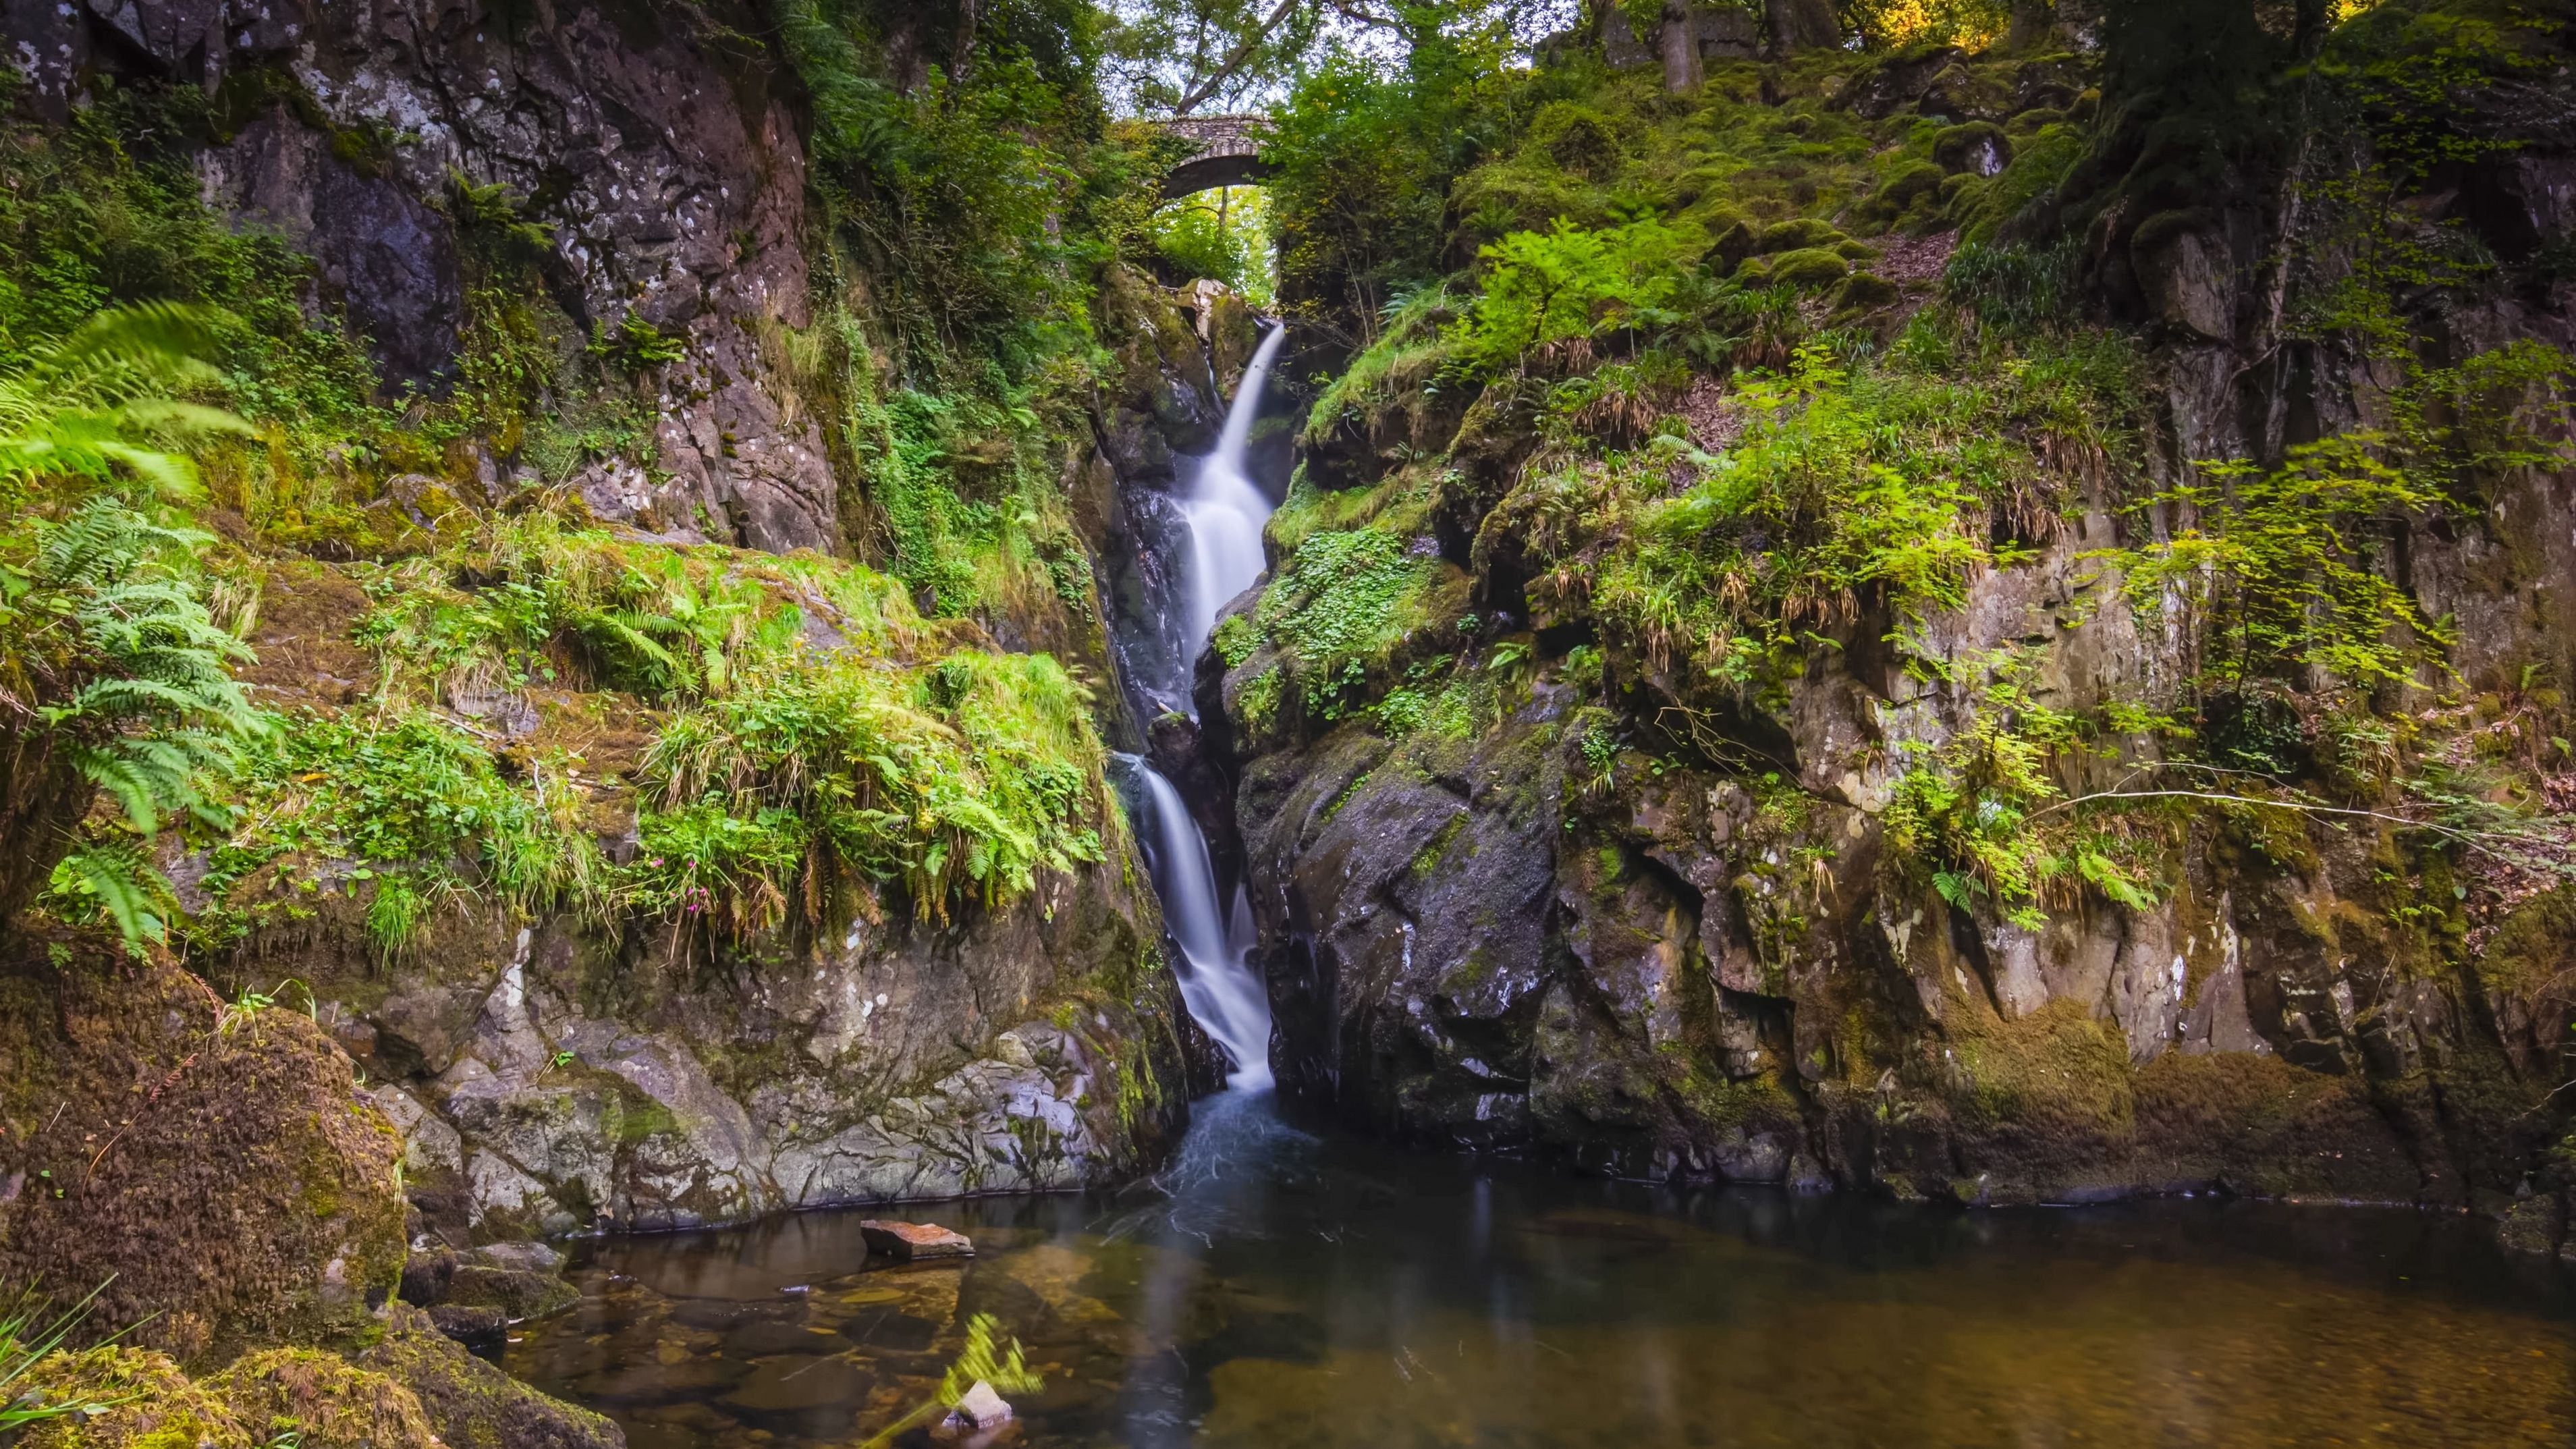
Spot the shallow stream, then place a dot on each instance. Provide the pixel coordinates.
(1283, 1287)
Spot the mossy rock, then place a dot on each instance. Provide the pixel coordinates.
(1865, 292)
(2161, 229)
(1732, 247)
(2033, 121)
(1798, 233)
(252, 1201)
(1810, 269)
(323, 1400)
(1911, 184)
(1855, 251)
(470, 1403)
(1913, 179)
(150, 1405)
(521, 1293)
(1579, 139)
(1979, 147)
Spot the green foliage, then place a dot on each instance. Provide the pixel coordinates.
(1984, 820)
(2281, 573)
(645, 619)
(956, 785)
(2013, 288)
(29, 1334)
(1224, 234)
(976, 206)
(1363, 153)
(1236, 639)
(2277, 575)
(1340, 606)
(409, 811)
(108, 657)
(104, 211)
(1542, 289)
(978, 1362)
(1401, 369)
(636, 346)
(1884, 478)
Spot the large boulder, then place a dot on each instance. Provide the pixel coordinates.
(213, 1166)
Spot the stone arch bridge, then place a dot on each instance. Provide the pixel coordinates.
(1228, 153)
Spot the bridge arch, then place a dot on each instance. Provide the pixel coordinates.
(1228, 153)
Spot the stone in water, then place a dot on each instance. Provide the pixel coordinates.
(979, 1408)
(912, 1241)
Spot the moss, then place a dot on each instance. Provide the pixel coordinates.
(2256, 1124)
(323, 1400)
(1797, 234)
(2527, 955)
(1900, 195)
(151, 1405)
(1808, 270)
(471, 1404)
(1963, 147)
(1864, 292)
(232, 1180)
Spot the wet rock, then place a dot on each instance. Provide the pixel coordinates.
(519, 1280)
(473, 1405)
(2184, 272)
(762, 1337)
(979, 1408)
(480, 1329)
(2533, 1226)
(514, 1291)
(911, 1242)
(889, 1330)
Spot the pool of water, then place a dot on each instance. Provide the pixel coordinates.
(1282, 1287)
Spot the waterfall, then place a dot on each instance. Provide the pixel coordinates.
(1225, 511)
(1218, 986)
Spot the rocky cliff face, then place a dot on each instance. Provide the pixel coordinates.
(660, 155)
(639, 171)
(1573, 902)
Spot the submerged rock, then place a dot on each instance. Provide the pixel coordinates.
(979, 1408)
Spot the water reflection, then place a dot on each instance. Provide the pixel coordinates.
(1284, 1287)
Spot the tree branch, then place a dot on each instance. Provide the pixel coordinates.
(1208, 87)
(2475, 840)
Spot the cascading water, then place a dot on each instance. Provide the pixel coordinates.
(1223, 995)
(1225, 513)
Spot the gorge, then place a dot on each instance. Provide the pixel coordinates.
(1832, 722)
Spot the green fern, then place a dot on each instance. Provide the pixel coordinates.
(109, 660)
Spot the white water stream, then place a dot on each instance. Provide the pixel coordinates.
(1225, 513)
(1224, 996)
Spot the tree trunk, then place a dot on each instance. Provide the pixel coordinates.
(1803, 25)
(42, 800)
(2032, 20)
(1681, 49)
(964, 52)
